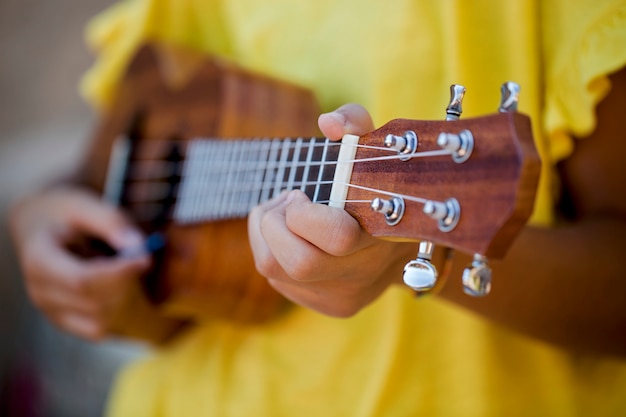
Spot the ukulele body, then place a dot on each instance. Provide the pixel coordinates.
(204, 270)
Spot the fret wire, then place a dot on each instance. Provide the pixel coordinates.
(270, 174)
(249, 177)
(223, 209)
(217, 149)
(307, 164)
(244, 198)
(215, 202)
(203, 159)
(321, 171)
(260, 172)
(239, 176)
(203, 163)
(227, 194)
(294, 164)
(236, 196)
(280, 174)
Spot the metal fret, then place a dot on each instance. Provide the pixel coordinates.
(225, 150)
(259, 173)
(211, 171)
(270, 173)
(307, 165)
(295, 159)
(321, 171)
(280, 174)
(243, 186)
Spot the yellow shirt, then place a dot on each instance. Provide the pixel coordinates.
(399, 356)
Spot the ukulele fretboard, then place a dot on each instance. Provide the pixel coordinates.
(225, 179)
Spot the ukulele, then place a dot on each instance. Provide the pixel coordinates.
(187, 162)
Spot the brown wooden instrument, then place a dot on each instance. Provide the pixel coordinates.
(197, 190)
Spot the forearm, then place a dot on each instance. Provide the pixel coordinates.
(565, 285)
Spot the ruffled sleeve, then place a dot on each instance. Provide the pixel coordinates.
(116, 34)
(113, 35)
(584, 42)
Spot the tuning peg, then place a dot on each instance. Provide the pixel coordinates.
(454, 109)
(405, 144)
(460, 145)
(447, 213)
(509, 97)
(393, 209)
(477, 277)
(420, 274)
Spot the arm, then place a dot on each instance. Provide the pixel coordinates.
(563, 285)
(567, 284)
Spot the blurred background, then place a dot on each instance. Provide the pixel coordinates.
(43, 127)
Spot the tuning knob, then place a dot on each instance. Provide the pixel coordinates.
(509, 97)
(420, 274)
(477, 277)
(455, 108)
(393, 209)
(447, 213)
(460, 145)
(406, 145)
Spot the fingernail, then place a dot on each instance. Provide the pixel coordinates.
(129, 238)
(290, 196)
(338, 117)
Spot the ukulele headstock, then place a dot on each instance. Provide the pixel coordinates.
(466, 184)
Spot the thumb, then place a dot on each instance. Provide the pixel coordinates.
(348, 119)
(92, 216)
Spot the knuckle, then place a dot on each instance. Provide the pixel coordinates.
(268, 220)
(304, 270)
(266, 265)
(343, 238)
